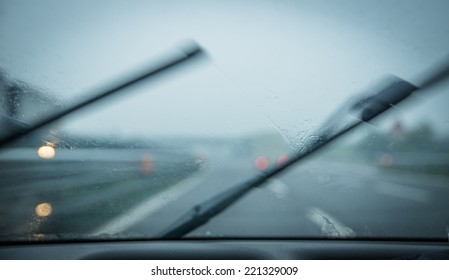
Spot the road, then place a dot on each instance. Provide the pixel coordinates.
(319, 198)
(78, 190)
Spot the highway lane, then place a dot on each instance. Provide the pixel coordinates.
(81, 189)
(318, 198)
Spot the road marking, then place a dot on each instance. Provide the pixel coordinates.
(279, 188)
(403, 192)
(330, 227)
(149, 206)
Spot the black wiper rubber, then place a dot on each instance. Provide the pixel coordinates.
(366, 108)
(378, 103)
(187, 54)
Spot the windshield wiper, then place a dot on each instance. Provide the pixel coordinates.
(188, 53)
(365, 107)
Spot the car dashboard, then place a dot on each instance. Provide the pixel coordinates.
(263, 249)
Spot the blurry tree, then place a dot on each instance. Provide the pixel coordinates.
(421, 138)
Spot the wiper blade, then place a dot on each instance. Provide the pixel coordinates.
(366, 108)
(189, 53)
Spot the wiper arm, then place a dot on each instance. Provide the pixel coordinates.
(366, 108)
(188, 54)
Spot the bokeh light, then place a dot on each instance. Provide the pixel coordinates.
(43, 209)
(46, 152)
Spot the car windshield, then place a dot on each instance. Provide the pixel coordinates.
(130, 166)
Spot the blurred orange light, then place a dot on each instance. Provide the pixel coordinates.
(261, 162)
(282, 159)
(43, 209)
(146, 164)
(46, 152)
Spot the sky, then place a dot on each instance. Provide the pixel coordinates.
(272, 65)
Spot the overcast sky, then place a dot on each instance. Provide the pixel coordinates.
(282, 65)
